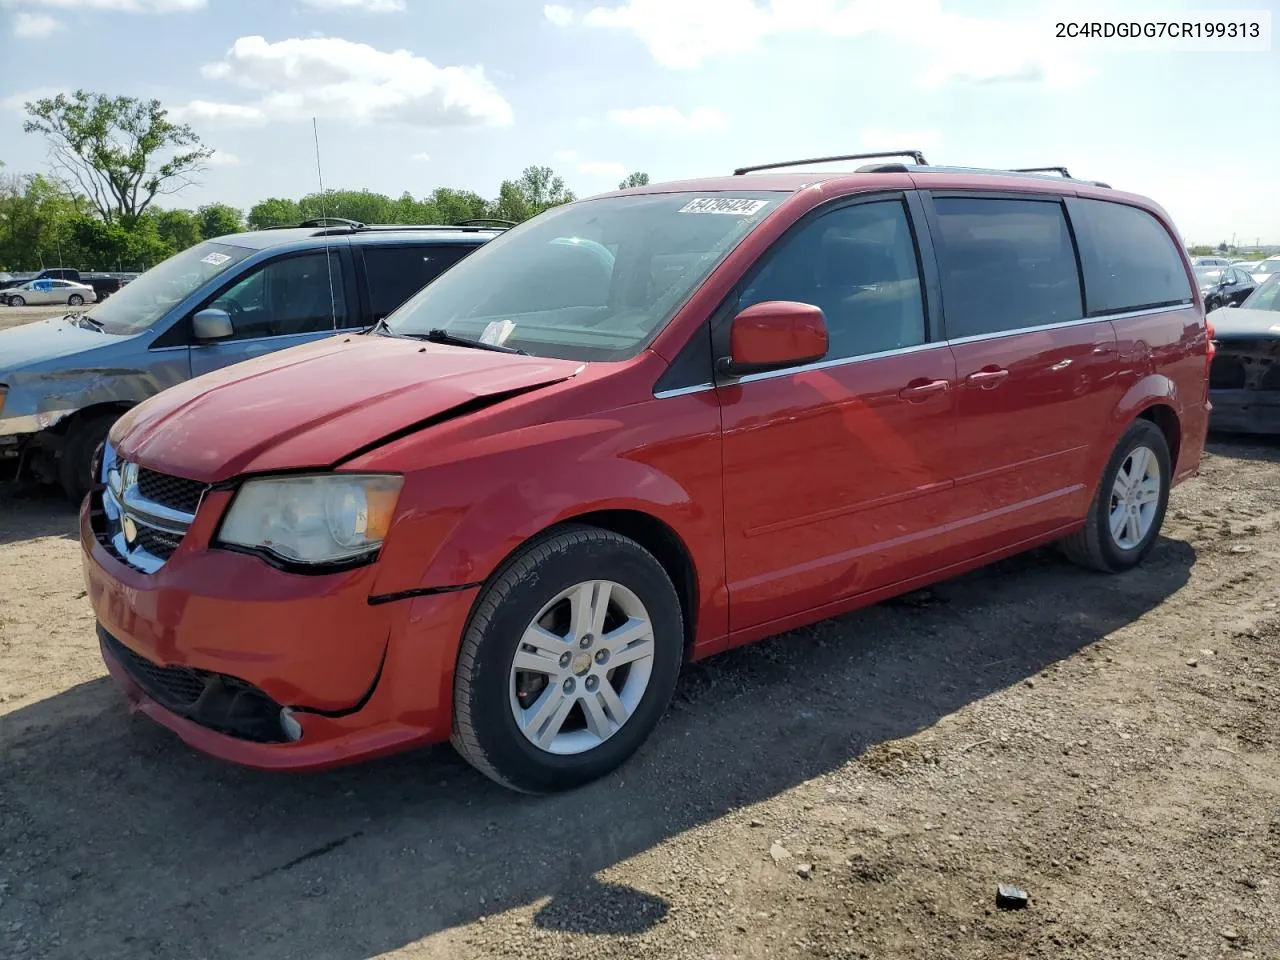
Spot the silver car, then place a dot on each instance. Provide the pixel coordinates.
(36, 293)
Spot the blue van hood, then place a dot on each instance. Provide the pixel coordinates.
(33, 343)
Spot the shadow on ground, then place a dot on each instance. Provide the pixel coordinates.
(1244, 446)
(28, 511)
(123, 842)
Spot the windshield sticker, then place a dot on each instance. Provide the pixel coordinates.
(217, 259)
(497, 332)
(731, 205)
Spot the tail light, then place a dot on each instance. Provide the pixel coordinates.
(1211, 350)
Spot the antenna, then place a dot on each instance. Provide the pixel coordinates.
(328, 257)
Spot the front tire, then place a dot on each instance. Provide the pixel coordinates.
(17, 301)
(1129, 505)
(75, 466)
(75, 300)
(569, 661)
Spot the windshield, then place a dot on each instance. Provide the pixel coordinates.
(1266, 297)
(594, 280)
(144, 300)
(1267, 266)
(1207, 276)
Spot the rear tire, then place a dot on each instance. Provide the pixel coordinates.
(1127, 511)
(75, 300)
(75, 466)
(502, 710)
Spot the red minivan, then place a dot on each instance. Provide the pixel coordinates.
(634, 431)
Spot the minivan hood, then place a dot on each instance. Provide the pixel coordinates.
(1232, 322)
(311, 406)
(32, 343)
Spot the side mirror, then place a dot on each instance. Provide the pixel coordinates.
(1233, 304)
(774, 335)
(212, 324)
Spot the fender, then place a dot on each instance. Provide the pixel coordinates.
(39, 400)
(1148, 391)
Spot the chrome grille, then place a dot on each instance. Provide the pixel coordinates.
(147, 513)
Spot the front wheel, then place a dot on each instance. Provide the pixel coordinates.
(75, 300)
(569, 661)
(1128, 507)
(75, 465)
(17, 301)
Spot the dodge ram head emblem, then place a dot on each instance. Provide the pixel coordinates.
(129, 529)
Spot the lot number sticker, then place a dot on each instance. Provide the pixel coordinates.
(730, 205)
(217, 259)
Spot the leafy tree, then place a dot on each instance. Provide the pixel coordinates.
(536, 189)
(218, 219)
(454, 206)
(274, 212)
(364, 206)
(121, 152)
(179, 229)
(637, 179)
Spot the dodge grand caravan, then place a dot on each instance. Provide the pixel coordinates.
(634, 431)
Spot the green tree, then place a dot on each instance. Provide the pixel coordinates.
(218, 220)
(35, 213)
(454, 206)
(638, 179)
(364, 206)
(274, 212)
(536, 189)
(120, 152)
(178, 229)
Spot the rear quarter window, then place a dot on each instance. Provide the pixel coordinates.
(1129, 260)
(396, 273)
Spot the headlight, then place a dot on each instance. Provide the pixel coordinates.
(317, 519)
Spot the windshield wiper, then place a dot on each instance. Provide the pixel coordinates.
(80, 320)
(444, 336)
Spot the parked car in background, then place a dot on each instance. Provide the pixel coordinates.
(1265, 268)
(35, 293)
(1223, 286)
(63, 382)
(1211, 262)
(636, 430)
(104, 284)
(1244, 384)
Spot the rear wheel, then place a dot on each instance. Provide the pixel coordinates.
(1128, 508)
(75, 466)
(569, 661)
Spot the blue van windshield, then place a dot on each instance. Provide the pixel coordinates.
(144, 300)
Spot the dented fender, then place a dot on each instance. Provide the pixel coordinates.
(39, 400)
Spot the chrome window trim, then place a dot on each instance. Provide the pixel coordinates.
(916, 348)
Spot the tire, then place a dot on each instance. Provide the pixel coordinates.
(75, 300)
(75, 465)
(1095, 545)
(17, 301)
(489, 692)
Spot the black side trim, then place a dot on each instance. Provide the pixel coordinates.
(461, 410)
(420, 592)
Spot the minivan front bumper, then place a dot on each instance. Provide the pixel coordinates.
(274, 670)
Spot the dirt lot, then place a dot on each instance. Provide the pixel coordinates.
(16, 316)
(856, 789)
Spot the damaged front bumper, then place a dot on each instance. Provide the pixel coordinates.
(1244, 386)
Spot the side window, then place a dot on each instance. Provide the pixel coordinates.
(1129, 259)
(858, 264)
(294, 295)
(1005, 264)
(396, 273)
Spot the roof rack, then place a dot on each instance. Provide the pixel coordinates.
(1061, 170)
(915, 155)
(1036, 172)
(331, 222)
(481, 221)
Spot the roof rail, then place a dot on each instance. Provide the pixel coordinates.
(481, 221)
(331, 222)
(1037, 172)
(1061, 170)
(915, 155)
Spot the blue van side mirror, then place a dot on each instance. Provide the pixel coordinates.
(212, 324)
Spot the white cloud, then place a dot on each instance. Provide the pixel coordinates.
(560, 16)
(368, 6)
(684, 34)
(18, 100)
(114, 6)
(420, 157)
(299, 78)
(895, 138)
(35, 25)
(612, 171)
(670, 119)
(224, 158)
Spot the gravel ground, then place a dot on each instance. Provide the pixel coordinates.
(17, 316)
(854, 789)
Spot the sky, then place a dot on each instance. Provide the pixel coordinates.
(409, 95)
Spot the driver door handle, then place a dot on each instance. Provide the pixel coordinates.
(987, 379)
(918, 390)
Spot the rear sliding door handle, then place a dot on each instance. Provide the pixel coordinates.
(987, 379)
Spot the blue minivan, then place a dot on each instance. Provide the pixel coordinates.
(64, 382)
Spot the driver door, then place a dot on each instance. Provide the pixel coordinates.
(286, 302)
